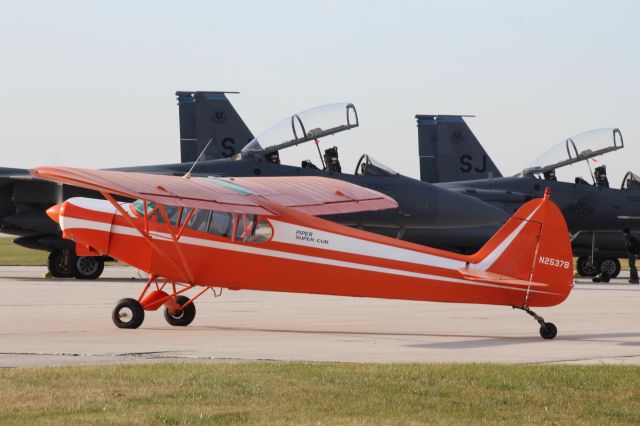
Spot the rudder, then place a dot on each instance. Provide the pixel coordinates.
(209, 115)
(449, 151)
(533, 246)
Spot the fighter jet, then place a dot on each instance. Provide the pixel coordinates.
(452, 157)
(23, 200)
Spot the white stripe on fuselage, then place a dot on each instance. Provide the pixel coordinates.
(307, 237)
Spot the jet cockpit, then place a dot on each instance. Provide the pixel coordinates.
(310, 125)
(576, 149)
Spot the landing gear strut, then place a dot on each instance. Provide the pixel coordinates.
(179, 310)
(62, 263)
(548, 330)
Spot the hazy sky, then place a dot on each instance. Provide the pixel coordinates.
(92, 83)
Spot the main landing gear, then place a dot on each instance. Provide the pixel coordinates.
(548, 330)
(179, 310)
(63, 263)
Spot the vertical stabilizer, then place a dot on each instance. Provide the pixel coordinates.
(206, 115)
(449, 151)
(532, 247)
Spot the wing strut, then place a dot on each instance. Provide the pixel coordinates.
(174, 238)
(145, 235)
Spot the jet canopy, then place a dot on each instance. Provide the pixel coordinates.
(575, 149)
(368, 166)
(304, 126)
(631, 181)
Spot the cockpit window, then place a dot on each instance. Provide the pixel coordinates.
(199, 220)
(368, 166)
(139, 206)
(153, 211)
(221, 223)
(253, 229)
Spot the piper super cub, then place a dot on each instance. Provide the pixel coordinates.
(262, 233)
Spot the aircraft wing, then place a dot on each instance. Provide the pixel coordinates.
(312, 195)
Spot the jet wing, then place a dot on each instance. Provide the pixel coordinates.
(312, 195)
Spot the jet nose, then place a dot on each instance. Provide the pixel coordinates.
(54, 212)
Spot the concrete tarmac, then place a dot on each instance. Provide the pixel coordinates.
(49, 322)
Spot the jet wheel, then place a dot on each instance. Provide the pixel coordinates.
(61, 263)
(548, 330)
(611, 267)
(89, 267)
(128, 313)
(586, 268)
(183, 317)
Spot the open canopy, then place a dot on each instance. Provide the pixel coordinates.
(304, 126)
(575, 149)
(313, 195)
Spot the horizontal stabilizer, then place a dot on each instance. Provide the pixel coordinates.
(490, 277)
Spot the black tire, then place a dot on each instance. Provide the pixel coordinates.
(586, 268)
(128, 313)
(548, 330)
(62, 263)
(611, 266)
(184, 317)
(89, 267)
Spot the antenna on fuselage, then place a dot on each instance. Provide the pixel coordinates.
(188, 174)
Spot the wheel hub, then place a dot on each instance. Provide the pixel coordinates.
(125, 314)
(87, 265)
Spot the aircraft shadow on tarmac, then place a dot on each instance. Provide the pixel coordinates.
(487, 341)
(480, 342)
(73, 280)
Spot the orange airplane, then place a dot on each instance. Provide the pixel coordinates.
(262, 233)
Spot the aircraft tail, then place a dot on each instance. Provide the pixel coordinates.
(207, 115)
(531, 251)
(450, 152)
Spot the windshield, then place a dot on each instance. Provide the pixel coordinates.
(575, 149)
(631, 181)
(368, 166)
(308, 125)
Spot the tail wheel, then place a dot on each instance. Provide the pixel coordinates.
(183, 317)
(128, 313)
(89, 267)
(61, 263)
(548, 330)
(585, 267)
(611, 267)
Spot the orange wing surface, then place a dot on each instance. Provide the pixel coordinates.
(312, 195)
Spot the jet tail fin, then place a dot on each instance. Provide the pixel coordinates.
(531, 250)
(205, 116)
(450, 152)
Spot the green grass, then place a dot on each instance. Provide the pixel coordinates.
(14, 255)
(321, 393)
